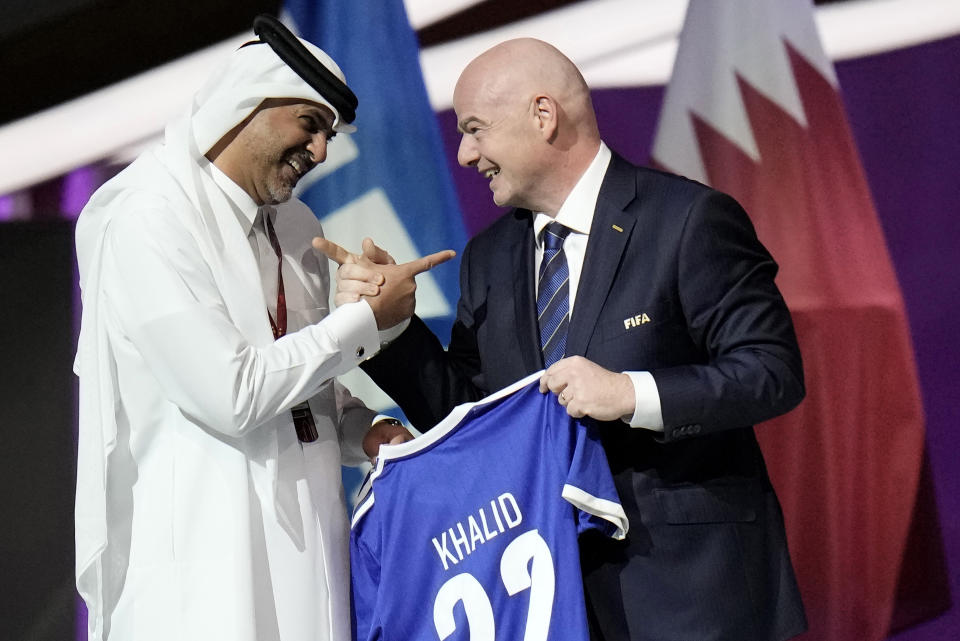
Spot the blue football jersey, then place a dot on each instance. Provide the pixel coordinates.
(469, 532)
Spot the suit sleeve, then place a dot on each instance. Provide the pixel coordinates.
(425, 380)
(737, 317)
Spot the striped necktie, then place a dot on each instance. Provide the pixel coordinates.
(553, 294)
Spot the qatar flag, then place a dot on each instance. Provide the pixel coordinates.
(754, 109)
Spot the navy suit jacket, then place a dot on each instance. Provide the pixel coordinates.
(674, 282)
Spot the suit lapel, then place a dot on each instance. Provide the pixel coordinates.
(524, 296)
(611, 229)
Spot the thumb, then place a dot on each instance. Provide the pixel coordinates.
(376, 254)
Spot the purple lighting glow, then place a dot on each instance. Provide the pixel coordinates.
(78, 186)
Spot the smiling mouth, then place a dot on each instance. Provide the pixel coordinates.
(300, 164)
(299, 168)
(490, 173)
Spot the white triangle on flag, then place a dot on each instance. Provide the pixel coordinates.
(719, 42)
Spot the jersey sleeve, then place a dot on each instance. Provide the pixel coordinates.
(364, 587)
(589, 485)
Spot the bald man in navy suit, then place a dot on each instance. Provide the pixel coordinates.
(675, 339)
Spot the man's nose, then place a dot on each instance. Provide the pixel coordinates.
(318, 147)
(467, 154)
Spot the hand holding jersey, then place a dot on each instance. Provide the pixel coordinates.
(586, 389)
(386, 431)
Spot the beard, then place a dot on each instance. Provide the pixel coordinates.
(279, 190)
(281, 181)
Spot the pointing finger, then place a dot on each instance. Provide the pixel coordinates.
(421, 265)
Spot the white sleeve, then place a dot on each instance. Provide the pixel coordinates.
(647, 413)
(391, 334)
(167, 305)
(355, 421)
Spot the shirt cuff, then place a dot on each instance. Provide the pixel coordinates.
(355, 329)
(647, 413)
(391, 334)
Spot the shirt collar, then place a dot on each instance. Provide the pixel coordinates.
(246, 205)
(577, 210)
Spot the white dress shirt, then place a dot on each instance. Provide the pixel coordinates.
(250, 217)
(576, 213)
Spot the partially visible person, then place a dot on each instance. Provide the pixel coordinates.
(652, 304)
(206, 349)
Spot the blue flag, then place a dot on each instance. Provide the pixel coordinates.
(389, 180)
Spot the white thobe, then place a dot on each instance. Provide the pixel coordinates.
(199, 514)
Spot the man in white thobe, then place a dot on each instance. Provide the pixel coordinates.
(199, 512)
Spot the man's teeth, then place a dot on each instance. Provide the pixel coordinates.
(490, 173)
(296, 165)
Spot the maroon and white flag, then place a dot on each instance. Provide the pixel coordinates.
(754, 109)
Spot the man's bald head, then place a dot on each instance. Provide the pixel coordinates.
(528, 122)
(516, 71)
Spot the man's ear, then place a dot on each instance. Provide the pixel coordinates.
(546, 114)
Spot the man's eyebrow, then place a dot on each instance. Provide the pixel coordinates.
(320, 116)
(462, 125)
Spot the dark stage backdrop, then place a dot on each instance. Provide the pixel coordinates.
(902, 107)
(902, 110)
(37, 418)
